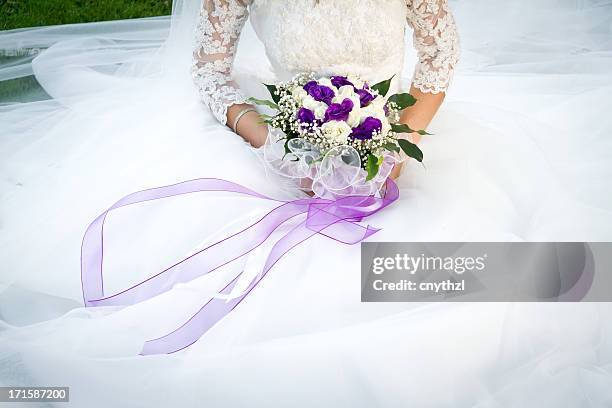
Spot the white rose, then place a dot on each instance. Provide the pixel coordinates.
(299, 93)
(356, 81)
(377, 112)
(355, 117)
(345, 92)
(327, 82)
(308, 102)
(373, 111)
(379, 103)
(319, 108)
(336, 131)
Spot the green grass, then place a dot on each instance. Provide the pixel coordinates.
(22, 90)
(33, 13)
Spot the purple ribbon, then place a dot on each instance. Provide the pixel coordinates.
(337, 219)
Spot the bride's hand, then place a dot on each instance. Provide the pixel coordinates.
(250, 126)
(396, 171)
(306, 186)
(418, 116)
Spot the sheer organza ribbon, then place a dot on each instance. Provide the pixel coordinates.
(338, 219)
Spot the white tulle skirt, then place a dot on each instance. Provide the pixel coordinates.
(521, 151)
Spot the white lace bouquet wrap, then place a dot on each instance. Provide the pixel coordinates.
(336, 136)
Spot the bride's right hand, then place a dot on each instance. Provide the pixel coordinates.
(396, 171)
(306, 186)
(250, 126)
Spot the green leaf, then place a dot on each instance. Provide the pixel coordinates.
(372, 166)
(403, 128)
(263, 102)
(403, 100)
(291, 134)
(411, 149)
(392, 147)
(273, 92)
(383, 87)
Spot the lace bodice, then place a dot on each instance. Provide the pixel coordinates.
(363, 37)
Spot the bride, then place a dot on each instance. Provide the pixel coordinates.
(520, 151)
(331, 50)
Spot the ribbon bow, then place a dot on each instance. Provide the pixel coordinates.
(337, 219)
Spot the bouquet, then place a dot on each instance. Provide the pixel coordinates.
(338, 131)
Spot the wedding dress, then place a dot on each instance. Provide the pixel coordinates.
(520, 152)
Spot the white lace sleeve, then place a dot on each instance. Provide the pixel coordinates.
(218, 29)
(436, 41)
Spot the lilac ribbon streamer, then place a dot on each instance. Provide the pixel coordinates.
(337, 219)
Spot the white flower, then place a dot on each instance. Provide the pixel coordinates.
(327, 82)
(345, 92)
(355, 117)
(386, 127)
(319, 108)
(376, 111)
(336, 131)
(299, 93)
(379, 102)
(320, 111)
(355, 80)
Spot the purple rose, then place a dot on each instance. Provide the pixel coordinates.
(309, 85)
(339, 81)
(320, 93)
(339, 111)
(364, 97)
(305, 116)
(365, 130)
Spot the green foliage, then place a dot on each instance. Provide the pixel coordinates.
(403, 100)
(273, 92)
(263, 102)
(372, 166)
(403, 128)
(34, 13)
(383, 87)
(392, 147)
(411, 149)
